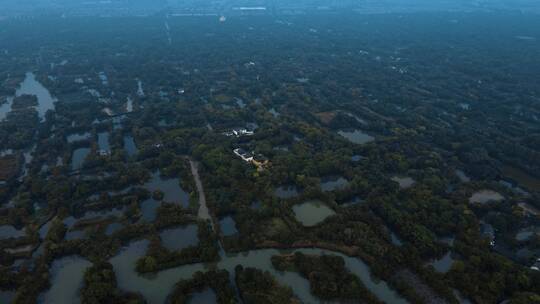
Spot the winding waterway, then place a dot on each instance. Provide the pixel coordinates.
(30, 86)
(156, 287)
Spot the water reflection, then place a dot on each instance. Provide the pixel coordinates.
(78, 137)
(206, 296)
(112, 228)
(287, 191)
(31, 86)
(170, 187)
(8, 231)
(404, 182)
(79, 155)
(180, 237)
(485, 196)
(333, 183)
(311, 213)
(149, 209)
(228, 226)
(103, 142)
(129, 145)
(156, 288)
(443, 264)
(66, 281)
(356, 136)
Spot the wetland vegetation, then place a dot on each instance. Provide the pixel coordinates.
(394, 158)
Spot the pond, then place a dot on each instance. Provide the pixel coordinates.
(172, 192)
(5, 108)
(356, 136)
(78, 137)
(404, 182)
(207, 296)
(333, 183)
(287, 191)
(228, 226)
(8, 231)
(44, 229)
(485, 196)
(179, 238)
(353, 202)
(66, 280)
(31, 86)
(79, 155)
(357, 158)
(462, 176)
(527, 233)
(487, 230)
(311, 213)
(396, 241)
(103, 142)
(443, 264)
(112, 228)
(129, 145)
(157, 287)
(149, 209)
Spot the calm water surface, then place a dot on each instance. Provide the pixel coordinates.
(333, 183)
(78, 137)
(311, 213)
(443, 264)
(66, 281)
(103, 142)
(356, 136)
(404, 182)
(228, 226)
(129, 145)
(33, 87)
(207, 296)
(287, 191)
(155, 288)
(485, 196)
(172, 192)
(180, 237)
(79, 155)
(8, 231)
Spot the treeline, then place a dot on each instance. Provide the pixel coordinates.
(328, 277)
(216, 280)
(260, 287)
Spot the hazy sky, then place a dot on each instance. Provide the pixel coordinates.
(42, 6)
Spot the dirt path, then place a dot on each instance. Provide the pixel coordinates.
(203, 209)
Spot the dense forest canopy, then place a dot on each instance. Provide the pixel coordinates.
(276, 157)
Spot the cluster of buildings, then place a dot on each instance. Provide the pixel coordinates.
(239, 133)
(259, 161)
